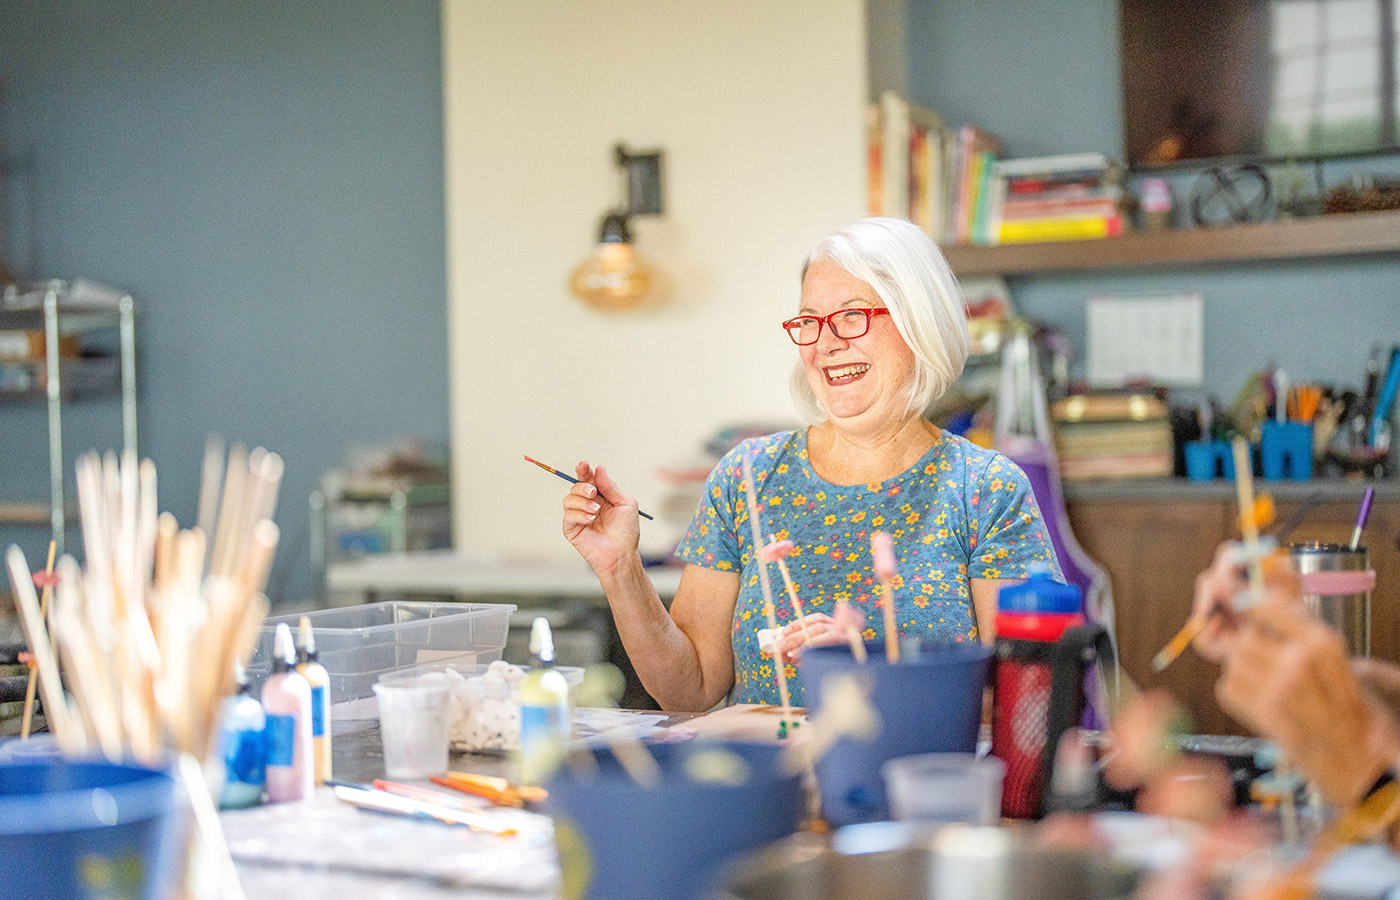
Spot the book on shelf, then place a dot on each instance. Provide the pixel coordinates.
(1071, 196)
(976, 148)
(1112, 435)
(941, 178)
(1068, 228)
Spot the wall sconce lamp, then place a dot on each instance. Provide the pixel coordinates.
(614, 276)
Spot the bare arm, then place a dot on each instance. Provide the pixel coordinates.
(683, 656)
(984, 604)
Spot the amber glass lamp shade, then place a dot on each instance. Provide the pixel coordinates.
(613, 276)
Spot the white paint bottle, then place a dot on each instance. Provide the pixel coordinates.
(320, 681)
(286, 698)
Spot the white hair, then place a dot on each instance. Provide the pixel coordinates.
(908, 272)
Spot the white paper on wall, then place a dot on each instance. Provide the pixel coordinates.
(1156, 339)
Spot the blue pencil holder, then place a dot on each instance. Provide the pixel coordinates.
(87, 830)
(1208, 460)
(928, 702)
(1286, 451)
(618, 839)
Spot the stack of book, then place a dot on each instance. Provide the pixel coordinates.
(1057, 198)
(935, 175)
(1113, 435)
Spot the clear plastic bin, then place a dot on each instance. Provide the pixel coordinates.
(358, 644)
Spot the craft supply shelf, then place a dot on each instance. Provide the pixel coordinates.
(62, 310)
(1342, 234)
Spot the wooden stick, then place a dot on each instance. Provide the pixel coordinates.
(29, 689)
(775, 551)
(234, 477)
(768, 612)
(882, 552)
(211, 833)
(210, 475)
(32, 622)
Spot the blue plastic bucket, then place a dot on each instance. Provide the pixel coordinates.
(929, 702)
(620, 841)
(86, 830)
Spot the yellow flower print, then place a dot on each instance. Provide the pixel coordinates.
(928, 537)
(868, 634)
(992, 573)
(853, 577)
(784, 535)
(830, 519)
(930, 468)
(926, 587)
(821, 496)
(1003, 553)
(765, 671)
(905, 507)
(920, 601)
(877, 521)
(820, 549)
(996, 484)
(782, 468)
(842, 595)
(799, 500)
(775, 501)
(858, 517)
(911, 518)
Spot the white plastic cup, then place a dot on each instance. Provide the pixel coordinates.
(413, 725)
(945, 787)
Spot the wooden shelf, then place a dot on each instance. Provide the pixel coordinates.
(1343, 234)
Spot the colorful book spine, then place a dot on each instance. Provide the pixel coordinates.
(1073, 228)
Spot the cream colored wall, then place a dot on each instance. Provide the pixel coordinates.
(758, 107)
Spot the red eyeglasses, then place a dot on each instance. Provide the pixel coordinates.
(845, 324)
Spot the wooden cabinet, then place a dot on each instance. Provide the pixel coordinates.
(1154, 542)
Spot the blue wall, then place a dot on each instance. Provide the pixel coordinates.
(1044, 77)
(266, 178)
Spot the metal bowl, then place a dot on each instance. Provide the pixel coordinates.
(892, 860)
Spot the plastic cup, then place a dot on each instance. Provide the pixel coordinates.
(943, 788)
(413, 725)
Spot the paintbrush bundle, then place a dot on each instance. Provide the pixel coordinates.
(147, 631)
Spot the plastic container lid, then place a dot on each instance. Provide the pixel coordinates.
(1040, 593)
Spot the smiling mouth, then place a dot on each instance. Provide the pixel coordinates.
(845, 374)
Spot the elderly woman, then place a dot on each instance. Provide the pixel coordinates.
(880, 334)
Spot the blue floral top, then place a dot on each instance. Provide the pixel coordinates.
(960, 512)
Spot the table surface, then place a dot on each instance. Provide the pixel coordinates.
(324, 849)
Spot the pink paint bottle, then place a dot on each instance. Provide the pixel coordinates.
(286, 697)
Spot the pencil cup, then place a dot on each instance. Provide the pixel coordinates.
(1286, 451)
(1208, 460)
(928, 702)
(413, 724)
(84, 829)
(712, 802)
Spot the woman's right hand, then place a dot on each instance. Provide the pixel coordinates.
(599, 519)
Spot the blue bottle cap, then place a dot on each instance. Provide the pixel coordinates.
(1040, 593)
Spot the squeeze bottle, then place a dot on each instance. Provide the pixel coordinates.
(244, 746)
(286, 699)
(320, 681)
(544, 709)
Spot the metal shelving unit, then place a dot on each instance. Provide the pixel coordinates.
(64, 309)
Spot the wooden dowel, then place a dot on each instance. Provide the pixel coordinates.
(33, 683)
(32, 622)
(211, 474)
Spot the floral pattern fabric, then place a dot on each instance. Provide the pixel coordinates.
(960, 512)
